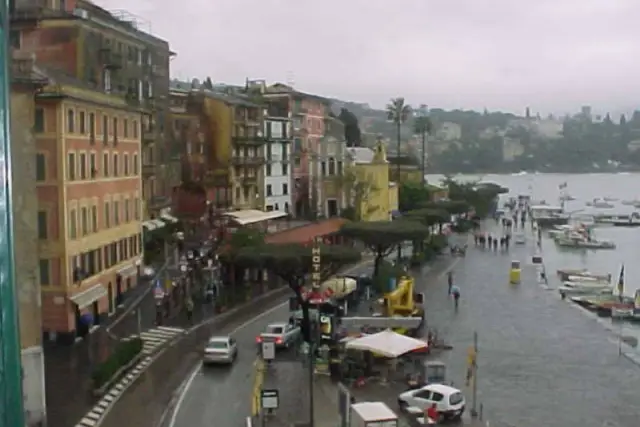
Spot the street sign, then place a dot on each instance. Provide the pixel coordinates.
(269, 399)
(268, 350)
(158, 292)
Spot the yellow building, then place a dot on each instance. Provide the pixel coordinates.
(238, 137)
(372, 195)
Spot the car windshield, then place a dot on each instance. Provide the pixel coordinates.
(455, 398)
(275, 329)
(218, 344)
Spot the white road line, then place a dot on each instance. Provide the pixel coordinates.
(167, 328)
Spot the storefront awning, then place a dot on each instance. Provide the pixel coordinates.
(251, 216)
(168, 217)
(149, 225)
(128, 271)
(88, 296)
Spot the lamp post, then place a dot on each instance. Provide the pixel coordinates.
(11, 398)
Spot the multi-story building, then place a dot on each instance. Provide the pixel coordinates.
(238, 142)
(28, 271)
(109, 53)
(308, 113)
(277, 170)
(89, 218)
(332, 156)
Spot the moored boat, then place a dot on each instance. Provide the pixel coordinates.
(547, 216)
(565, 273)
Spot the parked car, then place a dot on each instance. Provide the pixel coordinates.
(284, 335)
(220, 350)
(449, 400)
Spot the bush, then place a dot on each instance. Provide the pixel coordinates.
(123, 354)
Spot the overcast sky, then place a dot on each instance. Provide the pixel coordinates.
(553, 55)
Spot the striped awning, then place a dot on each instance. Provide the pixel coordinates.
(89, 296)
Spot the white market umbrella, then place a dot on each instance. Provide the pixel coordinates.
(387, 343)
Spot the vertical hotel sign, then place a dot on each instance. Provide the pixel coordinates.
(316, 265)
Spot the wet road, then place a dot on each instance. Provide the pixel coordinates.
(222, 396)
(540, 360)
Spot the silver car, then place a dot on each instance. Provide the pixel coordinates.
(220, 350)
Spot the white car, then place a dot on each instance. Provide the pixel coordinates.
(220, 350)
(449, 400)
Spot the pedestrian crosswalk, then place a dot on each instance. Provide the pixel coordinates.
(155, 338)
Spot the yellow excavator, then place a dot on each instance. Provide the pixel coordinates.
(404, 302)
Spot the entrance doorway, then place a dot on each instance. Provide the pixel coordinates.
(96, 313)
(118, 290)
(110, 296)
(332, 208)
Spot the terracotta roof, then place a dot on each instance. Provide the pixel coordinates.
(306, 233)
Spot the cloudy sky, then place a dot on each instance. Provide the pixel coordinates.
(554, 55)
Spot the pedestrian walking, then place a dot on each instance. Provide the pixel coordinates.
(455, 292)
(189, 307)
(432, 414)
(450, 281)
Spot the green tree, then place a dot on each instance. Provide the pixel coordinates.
(398, 113)
(423, 126)
(412, 196)
(429, 216)
(357, 191)
(352, 133)
(382, 237)
(239, 241)
(293, 264)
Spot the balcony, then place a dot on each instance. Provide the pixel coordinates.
(148, 135)
(31, 14)
(247, 161)
(249, 180)
(254, 141)
(148, 169)
(298, 110)
(110, 59)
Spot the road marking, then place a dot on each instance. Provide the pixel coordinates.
(257, 387)
(187, 385)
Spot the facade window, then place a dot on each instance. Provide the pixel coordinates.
(44, 270)
(269, 190)
(73, 224)
(127, 212)
(268, 169)
(105, 165)
(116, 170)
(84, 221)
(82, 159)
(107, 214)
(38, 120)
(94, 218)
(332, 167)
(134, 129)
(125, 128)
(285, 169)
(116, 213)
(105, 129)
(93, 170)
(115, 130)
(83, 122)
(41, 167)
(43, 232)
(285, 189)
(71, 166)
(92, 128)
(126, 165)
(136, 208)
(135, 164)
(323, 168)
(71, 121)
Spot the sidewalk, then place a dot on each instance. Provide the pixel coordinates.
(68, 368)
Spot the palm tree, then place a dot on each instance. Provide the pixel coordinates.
(423, 126)
(398, 112)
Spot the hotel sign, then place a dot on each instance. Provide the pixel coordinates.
(316, 264)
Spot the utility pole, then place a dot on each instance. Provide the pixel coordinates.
(11, 398)
(474, 367)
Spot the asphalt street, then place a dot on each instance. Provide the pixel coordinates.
(222, 395)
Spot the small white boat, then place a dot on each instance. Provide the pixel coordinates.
(565, 273)
(583, 288)
(568, 242)
(600, 204)
(630, 202)
(609, 199)
(606, 280)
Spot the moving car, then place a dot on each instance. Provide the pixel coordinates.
(449, 400)
(284, 335)
(220, 350)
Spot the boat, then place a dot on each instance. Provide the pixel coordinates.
(565, 273)
(547, 216)
(610, 199)
(601, 304)
(582, 238)
(600, 204)
(584, 288)
(630, 202)
(606, 219)
(559, 230)
(567, 198)
(631, 222)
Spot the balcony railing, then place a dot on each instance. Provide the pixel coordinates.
(249, 140)
(247, 160)
(111, 59)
